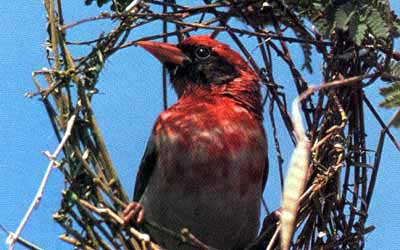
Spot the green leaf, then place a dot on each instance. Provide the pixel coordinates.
(391, 90)
(360, 33)
(357, 29)
(340, 19)
(394, 68)
(324, 27)
(377, 24)
(392, 96)
(343, 15)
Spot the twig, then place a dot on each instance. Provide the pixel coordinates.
(164, 68)
(144, 238)
(53, 32)
(382, 123)
(13, 237)
(334, 84)
(202, 246)
(274, 238)
(277, 145)
(74, 242)
(378, 155)
(21, 240)
(132, 5)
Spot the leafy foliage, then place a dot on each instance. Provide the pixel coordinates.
(392, 92)
(367, 23)
(358, 29)
(392, 95)
(354, 17)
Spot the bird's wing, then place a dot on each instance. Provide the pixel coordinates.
(146, 168)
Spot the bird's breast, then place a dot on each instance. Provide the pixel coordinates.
(209, 174)
(204, 166)
(217, 150)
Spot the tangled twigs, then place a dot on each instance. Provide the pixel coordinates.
(107, 212)
(74, 242)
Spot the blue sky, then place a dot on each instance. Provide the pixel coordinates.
(126, 108)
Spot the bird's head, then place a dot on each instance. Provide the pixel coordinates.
(202, 62)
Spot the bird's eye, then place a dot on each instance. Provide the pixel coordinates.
(202, 53)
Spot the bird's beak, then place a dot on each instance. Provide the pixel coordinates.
(165, 52)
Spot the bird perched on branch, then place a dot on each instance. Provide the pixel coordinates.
(205, 165)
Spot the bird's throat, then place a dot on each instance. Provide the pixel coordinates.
(244, 91)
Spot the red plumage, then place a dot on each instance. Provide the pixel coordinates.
(204, 166)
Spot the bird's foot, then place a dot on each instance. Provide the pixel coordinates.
(134, 209)
(273, 218)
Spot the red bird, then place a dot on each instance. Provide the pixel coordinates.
(204, 167)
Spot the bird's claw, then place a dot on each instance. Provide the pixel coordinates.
(134, 209)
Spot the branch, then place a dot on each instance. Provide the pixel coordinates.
(14, 237)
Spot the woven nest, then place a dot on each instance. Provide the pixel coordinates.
(339, 177)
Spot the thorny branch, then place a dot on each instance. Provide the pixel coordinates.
(53, 163)
(338, 180)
